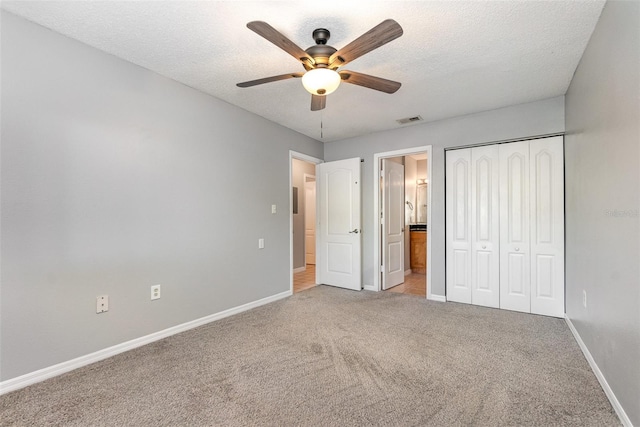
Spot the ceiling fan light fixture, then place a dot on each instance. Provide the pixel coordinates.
(321, 81)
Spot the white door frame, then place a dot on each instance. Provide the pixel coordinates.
(315, 161)
(377, 237)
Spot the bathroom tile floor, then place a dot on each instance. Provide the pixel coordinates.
(414, 284)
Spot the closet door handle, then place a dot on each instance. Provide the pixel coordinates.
(355, 230)
(484, 246)
(517, 249)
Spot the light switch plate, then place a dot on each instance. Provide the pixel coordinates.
(273, 209)
(260, 243)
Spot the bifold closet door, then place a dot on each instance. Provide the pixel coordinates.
(485, 226)
(505, 226)
(546, 175)
(458, 225)
(532, 226)
(515, 254)
(473, 226)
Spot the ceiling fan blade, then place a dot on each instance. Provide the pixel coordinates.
(379, 35)
(372, 82)
(276, 37)
(269, 79)
(318, 102)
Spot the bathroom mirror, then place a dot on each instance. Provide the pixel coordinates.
(421, 204)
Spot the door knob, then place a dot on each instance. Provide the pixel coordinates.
(517, 249)
(484, 246)
(355, 230)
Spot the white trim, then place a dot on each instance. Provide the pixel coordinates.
(305, 158)
(376, 204)
(61, 368)
(369, 288)
(407, 272)
(299, 269)
(430, 187)
(439, 298)
(596, 370)
(506, 141)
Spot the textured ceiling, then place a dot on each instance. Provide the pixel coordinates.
(454, 58)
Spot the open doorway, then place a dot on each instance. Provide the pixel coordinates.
(303, 222)
(403, 217)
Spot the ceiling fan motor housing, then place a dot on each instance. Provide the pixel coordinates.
(321, 51)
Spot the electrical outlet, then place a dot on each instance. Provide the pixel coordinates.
(102, 304)
(155, 292)
(260, 243)
(584, 298)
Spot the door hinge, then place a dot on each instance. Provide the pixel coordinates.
(382, 269)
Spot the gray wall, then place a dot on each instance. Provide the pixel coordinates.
(115, 179)
(298, 169)
(602, 156)
(536, 118)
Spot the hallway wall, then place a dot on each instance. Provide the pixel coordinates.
(298, 169)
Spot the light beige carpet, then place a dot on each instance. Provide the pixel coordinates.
(332, 357)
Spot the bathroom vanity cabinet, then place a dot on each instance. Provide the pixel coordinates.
(418, 252)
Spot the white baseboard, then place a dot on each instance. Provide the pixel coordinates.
(299, 269)
(596, 370)
(407, 272)
(369, 288)
(439, 298)
(61, 368)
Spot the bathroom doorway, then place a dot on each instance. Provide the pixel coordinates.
(413, 210)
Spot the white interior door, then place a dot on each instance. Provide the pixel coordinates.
(338, 260)
(485, 226)
(515, 255)
(392, 224)
(310, 222)
(458, 225)
(547, 226)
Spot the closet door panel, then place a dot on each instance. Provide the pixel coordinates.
(485, 226)
(458, 190)
(547, 226)
(515, 255)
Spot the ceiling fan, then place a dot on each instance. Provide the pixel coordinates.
(322, 61)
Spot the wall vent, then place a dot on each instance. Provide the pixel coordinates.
(409, 120)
